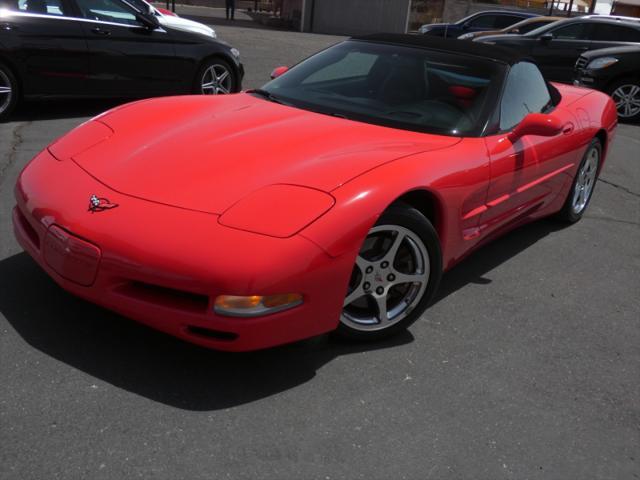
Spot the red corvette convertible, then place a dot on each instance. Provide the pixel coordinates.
(332, 199)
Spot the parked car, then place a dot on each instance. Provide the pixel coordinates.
(556, 47)
(478, 22)
(616, 71)
(519, 28)
(331, 199)
(105, 48)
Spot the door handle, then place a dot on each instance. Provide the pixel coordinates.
(100, 31)
(582, 49)
(7, 26)
(567, 128)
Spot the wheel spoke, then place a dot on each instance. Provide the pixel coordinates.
(408, 278)
(390, 256)
(354, 295)
(5, 89)
(222, 89)
(222, 76)
(381, 302)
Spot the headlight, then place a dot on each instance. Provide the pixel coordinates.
(602, 62)
(235, 52)
(213, 33)
(465, 36)
(255, 305)
(278, 210)
(423, 29)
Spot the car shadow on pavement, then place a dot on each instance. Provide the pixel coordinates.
(138, 359)
(167, 370)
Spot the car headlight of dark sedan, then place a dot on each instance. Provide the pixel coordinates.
(602, 62)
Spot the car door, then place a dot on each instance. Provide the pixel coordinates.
(126, 57)
(557, 50)
(526, 173)
(47, 44)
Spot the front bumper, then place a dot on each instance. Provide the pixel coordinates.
(164, 266)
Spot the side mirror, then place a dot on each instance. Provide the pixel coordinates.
(547, 37)
(466, 26)
(539, 124)
(149, 20)
(278, 71)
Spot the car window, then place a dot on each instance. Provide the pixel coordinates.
(42, 7)
(615, 33)
(531, 26)
(403, 87)
(353, 65)
(483, 21)
(525, 92)
(575, 31)
(107, 11)
(503, 21)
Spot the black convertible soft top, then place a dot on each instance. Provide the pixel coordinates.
(464, 47)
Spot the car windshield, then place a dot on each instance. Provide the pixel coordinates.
(398, 86)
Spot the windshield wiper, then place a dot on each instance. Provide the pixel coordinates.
(268, 95)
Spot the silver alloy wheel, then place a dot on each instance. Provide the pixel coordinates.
(627, 100)
(586, 181)
(6, 93)
(389, 279)
(216, 80)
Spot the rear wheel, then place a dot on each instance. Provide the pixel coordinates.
(395, 276)
(8, 91)
(583, 184)
(216, 77)
(626, 95)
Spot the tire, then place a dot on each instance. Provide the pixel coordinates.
(626, 95)
(403, 245)
(9, 92)
(221, 84)
(583, 184)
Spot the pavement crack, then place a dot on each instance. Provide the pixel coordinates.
(619, 187)
(16, 140)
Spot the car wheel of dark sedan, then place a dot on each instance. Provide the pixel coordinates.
(626, 95)
(583, 184)
(396, 274)
(216, 77)
(8, 91)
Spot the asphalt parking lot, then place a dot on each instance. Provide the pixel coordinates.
(526, 367)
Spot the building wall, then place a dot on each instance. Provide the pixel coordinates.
(355, 17)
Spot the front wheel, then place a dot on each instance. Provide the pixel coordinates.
(396, 274)
(626, 95)
(216, 77)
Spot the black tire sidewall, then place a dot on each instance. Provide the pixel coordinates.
(15, 89)
(410, 218)
(567, 212)
(197, 86)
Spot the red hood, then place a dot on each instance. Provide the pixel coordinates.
(205, 153)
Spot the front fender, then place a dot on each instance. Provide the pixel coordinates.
(456, 178)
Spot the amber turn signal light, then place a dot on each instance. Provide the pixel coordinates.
(255, 305)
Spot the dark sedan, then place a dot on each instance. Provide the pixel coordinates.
(557, 46)
(615, 71)
(105, 48)
(478, 22)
